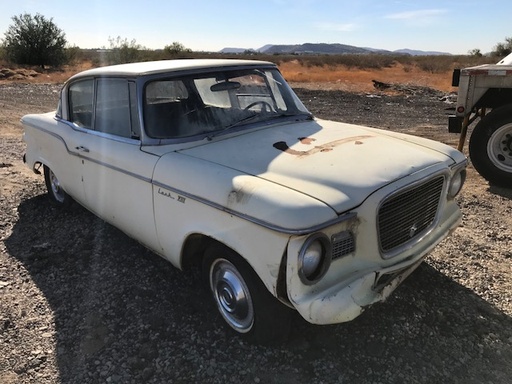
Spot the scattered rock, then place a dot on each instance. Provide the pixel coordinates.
(94, 306)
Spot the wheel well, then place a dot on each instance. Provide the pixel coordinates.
(193, 250)
(195, 246)
(495, 98)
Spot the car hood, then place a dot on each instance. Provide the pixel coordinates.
(338, 164)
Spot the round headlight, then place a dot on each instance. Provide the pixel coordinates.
(456, 183)
(314, 258)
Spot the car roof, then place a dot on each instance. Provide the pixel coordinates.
(155, 67)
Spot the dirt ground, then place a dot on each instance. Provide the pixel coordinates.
(82, 303)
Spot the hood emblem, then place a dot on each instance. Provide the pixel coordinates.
(412, 231)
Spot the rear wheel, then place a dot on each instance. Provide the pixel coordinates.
(244, 303)
(490, 147)
(55, 192)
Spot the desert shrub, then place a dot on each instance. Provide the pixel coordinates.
(503, 49)
(73, 54)
(35, 40)
(122, 51)
(435, 64)
(176, 48)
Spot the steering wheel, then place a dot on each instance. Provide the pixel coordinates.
(265, 106)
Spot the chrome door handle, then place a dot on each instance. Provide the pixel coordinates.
(81, 149)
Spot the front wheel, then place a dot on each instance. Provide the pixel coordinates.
(490, 147)
(244, 303)
(56, 194)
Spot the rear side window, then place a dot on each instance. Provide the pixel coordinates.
(112, 113)
(81, 97)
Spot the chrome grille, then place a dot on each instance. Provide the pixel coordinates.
(406, 215)
(342, 244)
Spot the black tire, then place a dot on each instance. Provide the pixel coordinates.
(255, 314)
(56, 194)
(490, 147)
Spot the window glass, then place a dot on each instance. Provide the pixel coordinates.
(209, 103)
(81, 103)
(113, 107)
(165, 91)
(165, 103)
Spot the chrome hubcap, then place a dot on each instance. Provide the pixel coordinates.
(232, 295)
(56, 189)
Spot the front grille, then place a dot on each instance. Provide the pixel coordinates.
(406, 215)
(342, 244)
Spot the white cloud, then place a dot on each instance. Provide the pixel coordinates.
(416, 14)
(420, 18)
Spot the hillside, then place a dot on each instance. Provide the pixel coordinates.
(326, 49)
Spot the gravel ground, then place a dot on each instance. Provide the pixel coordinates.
(82, 303)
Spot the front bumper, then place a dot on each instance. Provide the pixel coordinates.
(344, 303)
(345, 298)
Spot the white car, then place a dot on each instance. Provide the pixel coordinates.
(217, 164)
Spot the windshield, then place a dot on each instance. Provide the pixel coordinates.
(207, 104)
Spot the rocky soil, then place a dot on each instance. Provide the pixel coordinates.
(82, 303)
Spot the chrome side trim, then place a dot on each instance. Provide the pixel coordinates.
(79, 155)
(263, 223)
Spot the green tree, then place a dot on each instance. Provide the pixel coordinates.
(35, 40)
(176, 48)
(503, 49)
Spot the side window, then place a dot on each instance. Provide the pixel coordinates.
(112, 114)
(81, 103)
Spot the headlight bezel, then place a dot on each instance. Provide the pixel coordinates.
(456, 182)
(319, 238)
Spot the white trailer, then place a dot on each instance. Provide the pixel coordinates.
(485, 93)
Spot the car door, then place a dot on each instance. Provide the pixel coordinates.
(116, 173)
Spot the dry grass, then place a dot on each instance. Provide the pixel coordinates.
(359, 80)
(353, 73)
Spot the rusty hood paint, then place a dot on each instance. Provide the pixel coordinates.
(335, 163)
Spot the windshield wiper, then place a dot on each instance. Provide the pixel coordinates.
(306, 116)
(235, 124)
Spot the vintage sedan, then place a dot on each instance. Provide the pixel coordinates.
(217, 164)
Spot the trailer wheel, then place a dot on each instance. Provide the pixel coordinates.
(490, 147)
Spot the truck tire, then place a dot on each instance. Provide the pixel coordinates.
(490, 147)
(244, 303)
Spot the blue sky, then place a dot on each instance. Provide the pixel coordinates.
(209, 25)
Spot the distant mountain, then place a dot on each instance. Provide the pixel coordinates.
(234, 50)
(326, 49)
(414, 52)
(311, 48)
(264, 48)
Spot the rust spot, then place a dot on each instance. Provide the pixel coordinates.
(306, 140)
(327, 147)
(282, 146)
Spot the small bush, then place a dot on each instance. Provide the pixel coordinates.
(122, 51)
